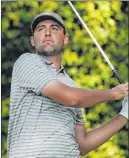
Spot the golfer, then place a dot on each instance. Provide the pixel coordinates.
(45, 112)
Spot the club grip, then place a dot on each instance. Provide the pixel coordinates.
(117, 76)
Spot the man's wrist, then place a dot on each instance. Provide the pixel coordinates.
(112, 94)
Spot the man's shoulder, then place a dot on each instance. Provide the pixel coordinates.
(28, 58)
(27, 55)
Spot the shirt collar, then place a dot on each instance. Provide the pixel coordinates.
(61, 70)
(48, 62)
(45, 59)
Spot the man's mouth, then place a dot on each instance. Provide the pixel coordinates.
(47, 41)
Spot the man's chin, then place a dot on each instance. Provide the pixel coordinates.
(49, 53)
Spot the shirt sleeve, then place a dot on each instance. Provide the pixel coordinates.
(79, 117)
(32, 73)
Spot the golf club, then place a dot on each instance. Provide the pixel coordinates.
(97, 44)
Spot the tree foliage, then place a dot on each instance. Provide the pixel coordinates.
(108, 21)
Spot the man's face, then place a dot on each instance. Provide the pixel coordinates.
(49, 38)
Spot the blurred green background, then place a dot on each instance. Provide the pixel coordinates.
(108, 22)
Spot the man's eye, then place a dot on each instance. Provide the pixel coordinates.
(55, 28)
(40, 29)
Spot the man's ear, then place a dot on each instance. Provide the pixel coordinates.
(32, 40)
(66, 39)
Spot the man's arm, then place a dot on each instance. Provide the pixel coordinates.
(90, 140)
(78, 97)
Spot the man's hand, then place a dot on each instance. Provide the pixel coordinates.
(124, 110)
(120, 91)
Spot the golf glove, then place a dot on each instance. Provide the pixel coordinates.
(124, 110)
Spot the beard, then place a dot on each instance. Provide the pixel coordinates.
(49, 51)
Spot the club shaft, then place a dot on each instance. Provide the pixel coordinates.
(95, 41)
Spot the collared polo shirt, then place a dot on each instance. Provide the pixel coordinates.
(40, 127)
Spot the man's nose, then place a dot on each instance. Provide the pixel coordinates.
(48, 32)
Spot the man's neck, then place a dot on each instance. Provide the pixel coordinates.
(56, 60)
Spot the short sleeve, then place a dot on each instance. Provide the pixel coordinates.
(79, 117)
(32, 73)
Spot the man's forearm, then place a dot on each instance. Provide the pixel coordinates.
(79, 97)
(99, 136)
(87, 97)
